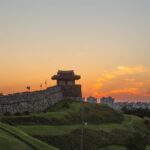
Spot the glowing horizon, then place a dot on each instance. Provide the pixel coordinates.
(105, 42)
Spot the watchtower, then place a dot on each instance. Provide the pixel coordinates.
(66, 80)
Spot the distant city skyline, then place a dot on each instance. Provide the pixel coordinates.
(106, 42)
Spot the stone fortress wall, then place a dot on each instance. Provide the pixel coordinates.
(38, 101)
(30, 101)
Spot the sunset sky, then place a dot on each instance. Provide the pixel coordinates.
(107, 42)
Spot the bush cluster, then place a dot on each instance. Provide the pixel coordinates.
(93, 140)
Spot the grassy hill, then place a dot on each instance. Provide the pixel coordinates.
(67, 113)
(105, 129)
(15, 139)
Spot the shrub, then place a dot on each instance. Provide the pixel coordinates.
(136, 142)
(26, 113)
(7, 113)
(141, 112)
(17, 114)
(65, 105)
(147, 122)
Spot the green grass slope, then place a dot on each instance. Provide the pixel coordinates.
(14, 139)
(113, 147)
(147, 147)
(9, 142)
(130, 123)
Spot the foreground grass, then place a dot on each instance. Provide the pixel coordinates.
(147, 147)
(113, 147)
(8, 141)
(26, 139)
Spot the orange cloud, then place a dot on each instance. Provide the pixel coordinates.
(120, 81)
(117, 92)
(125, 90)
(119, 71)
(131, 70)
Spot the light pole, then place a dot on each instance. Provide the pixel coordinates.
(82, 125)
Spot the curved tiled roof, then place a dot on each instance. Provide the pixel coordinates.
(66, 75)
